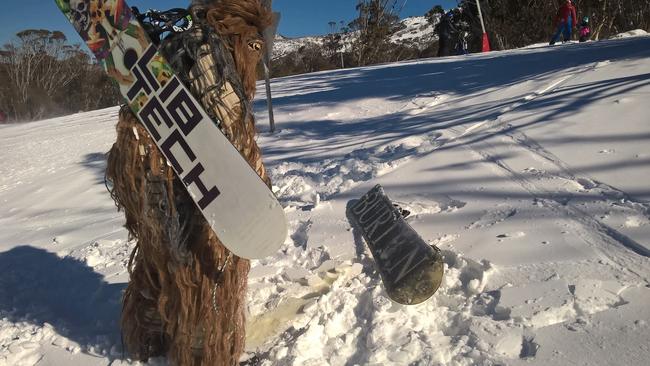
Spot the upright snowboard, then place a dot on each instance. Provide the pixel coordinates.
(235, 201)
(410, 268)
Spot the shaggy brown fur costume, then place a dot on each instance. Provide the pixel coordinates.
(187, 292)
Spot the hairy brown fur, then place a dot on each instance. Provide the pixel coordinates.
(241, 22)
(192, 308)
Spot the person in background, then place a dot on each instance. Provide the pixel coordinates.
(566, 17)
(3, 117)
(445, 30)
(585, 30)
(461, 24)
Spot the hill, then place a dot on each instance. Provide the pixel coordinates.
(527, 167)
(415, 29)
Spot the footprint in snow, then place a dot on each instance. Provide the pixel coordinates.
(428, 204)
(494, 217)
(586, 183)
(301, 236)
(513, 235)
(534, 171)
(422, 102)
(602, 64)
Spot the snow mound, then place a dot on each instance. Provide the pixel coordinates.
(632, 33)
(345, 311)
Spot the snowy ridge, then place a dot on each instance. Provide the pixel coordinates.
(282, 46)
(528, 168)
(416, 30)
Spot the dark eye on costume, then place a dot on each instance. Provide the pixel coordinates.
(255, 45)
(81, 6)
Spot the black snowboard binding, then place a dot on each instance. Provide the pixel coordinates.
(159, 24)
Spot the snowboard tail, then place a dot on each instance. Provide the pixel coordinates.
(410, 269)
(234, 200)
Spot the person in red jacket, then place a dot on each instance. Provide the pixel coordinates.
(3, 117)
(566, 17)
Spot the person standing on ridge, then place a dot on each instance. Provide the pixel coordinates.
(566, 17)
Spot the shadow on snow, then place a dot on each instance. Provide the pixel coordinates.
(39, 287)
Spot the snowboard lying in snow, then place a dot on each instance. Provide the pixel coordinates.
(410, 269)
(235, 201)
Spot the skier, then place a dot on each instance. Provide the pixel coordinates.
(445, 30)
(585, 30)
(566, 16)
(462, 28)
(461, 43)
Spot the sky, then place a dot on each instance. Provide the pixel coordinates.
(298, 17)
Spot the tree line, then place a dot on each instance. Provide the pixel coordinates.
(509, 23)
(512, 24)
(42, 75)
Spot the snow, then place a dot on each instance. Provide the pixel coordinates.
(282, 46)
(632, 33)
(416, 30)
(528, 168)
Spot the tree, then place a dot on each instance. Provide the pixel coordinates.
(332, 45)
(37, 68)
(374, 26)
(42, 75)
(513, 24)
(434, 14)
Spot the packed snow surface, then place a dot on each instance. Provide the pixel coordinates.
(528, 168)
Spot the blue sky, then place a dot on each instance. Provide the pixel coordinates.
(299, 17)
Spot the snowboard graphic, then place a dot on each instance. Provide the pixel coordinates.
(410, 269)
(235, 201)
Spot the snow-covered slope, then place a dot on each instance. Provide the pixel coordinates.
(528, 168)
(283, 46)
(416, 30)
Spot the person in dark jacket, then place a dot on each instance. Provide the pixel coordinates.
(445, 30)
(462, 27)
(564, 21)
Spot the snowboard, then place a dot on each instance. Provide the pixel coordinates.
(410, 269)
(244, 214)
